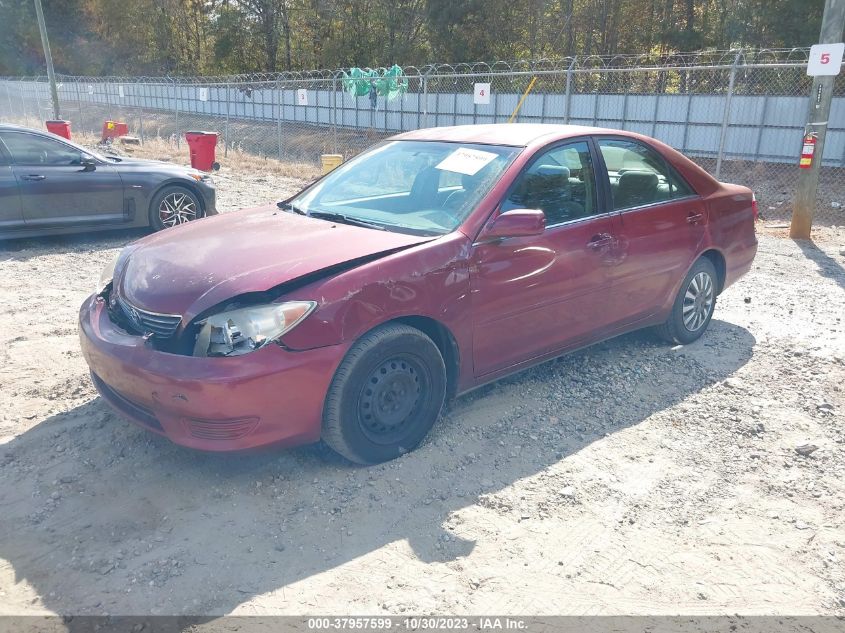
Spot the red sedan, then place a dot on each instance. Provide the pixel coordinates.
(438, 260)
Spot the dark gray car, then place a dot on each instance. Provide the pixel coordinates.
(49, 185)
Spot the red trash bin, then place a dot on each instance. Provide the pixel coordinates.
(60, 128)
(113, 129)
(202, 146)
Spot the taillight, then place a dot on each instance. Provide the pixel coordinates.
(755, 210)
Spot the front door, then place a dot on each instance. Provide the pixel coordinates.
(56, 189)
(535, 295)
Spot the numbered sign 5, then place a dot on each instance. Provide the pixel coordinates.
(825, 59)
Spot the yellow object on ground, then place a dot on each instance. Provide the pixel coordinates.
(330, 161)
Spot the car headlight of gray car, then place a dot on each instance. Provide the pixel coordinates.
(244, 330)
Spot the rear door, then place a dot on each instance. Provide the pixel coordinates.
(661, 221)
(11, 216)
(55, 188)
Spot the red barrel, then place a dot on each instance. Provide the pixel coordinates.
(202, 146)
(113, 129)
(60, 128)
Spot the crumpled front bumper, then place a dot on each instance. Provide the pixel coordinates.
(269, 397)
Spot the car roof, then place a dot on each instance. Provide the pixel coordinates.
(18, 128)
(515, 134)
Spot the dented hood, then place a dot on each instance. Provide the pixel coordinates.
(188, 269)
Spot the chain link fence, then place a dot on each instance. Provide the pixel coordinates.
(739, 114)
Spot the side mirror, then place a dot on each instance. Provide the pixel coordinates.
(515, 223)
(88, 163)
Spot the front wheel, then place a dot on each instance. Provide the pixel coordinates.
(694, 305)
(174, 205)
(385, 396)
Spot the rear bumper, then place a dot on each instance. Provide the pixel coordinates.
(268, 397)
(739, 262)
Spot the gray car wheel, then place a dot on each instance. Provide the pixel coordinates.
(174, 205)
(693, 306)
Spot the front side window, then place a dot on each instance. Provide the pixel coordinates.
(561, 182)
(638, 175)
(30, 149)
(425, 187)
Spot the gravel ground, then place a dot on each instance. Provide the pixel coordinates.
(630, 478)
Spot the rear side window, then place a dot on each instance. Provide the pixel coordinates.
(561, 182)
(639, 175)
(31, 149)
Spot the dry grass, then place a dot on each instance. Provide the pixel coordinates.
(168, 149)
(175, 150)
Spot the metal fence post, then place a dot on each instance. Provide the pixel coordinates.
(108, 100)
(226, 126)
(78, 103)
(176, 107)
(9, 97)
(727, 115)
(23, 103)
(334, 113)
(425, 99)
(140, 103)
(568, 99)
(278, 94)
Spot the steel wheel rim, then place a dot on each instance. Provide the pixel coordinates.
(698, 302)
(391, 399)
(177, 208)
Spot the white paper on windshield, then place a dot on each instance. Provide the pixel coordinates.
(466, 161)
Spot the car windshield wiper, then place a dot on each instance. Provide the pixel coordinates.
(289, 206)
(345, 219)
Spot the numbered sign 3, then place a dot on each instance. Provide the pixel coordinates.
(825, 59)
(302, 97)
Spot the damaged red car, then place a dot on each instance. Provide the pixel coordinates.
(435, 262)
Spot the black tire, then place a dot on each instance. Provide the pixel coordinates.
(385, 396)
(694, 305)
(174, 192)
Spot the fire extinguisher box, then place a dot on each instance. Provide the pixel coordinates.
(59, 128)
(808, 149)
(203, 146)
(114, 129)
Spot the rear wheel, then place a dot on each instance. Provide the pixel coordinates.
(385, 396)
(694, 305)
(174, 205)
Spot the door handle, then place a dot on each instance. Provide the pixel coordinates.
(33, 177)
(600, 241)
(695, 217)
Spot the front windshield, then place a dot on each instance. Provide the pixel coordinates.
(424, 187)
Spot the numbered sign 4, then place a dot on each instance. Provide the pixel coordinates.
(481, 94)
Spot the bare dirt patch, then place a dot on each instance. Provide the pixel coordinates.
(628, 478)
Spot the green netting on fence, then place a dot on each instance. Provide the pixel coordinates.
(390, 82)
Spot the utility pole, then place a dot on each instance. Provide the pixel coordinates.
(833, 24)
(51, 75)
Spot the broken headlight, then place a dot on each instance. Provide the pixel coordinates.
(244, 330)
(107, 275)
